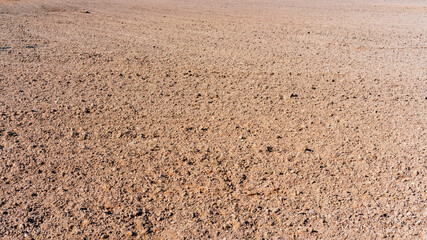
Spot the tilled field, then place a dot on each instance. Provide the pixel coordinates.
(197, 119)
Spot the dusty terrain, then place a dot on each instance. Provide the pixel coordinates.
(221, 119)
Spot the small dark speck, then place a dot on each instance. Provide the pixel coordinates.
(29, 46)
(12, 134)
(138, 213)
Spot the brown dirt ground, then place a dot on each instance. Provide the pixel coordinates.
(191, 119)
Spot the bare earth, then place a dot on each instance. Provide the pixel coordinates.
(197, 119)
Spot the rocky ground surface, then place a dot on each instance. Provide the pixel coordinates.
(197, 119)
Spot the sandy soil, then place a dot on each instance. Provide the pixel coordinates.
(191, 119)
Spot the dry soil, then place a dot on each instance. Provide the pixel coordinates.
(191, 119)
